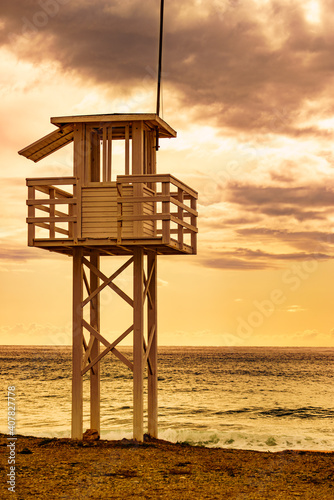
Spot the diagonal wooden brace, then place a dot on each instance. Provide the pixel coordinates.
(107, 282)
(87, 352)
(147, 284)
(109, 348)
(88, 349)
(148, 348)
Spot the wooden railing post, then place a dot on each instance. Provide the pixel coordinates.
(193, 236)
(52, 194)
(77, 193)
(31, 213)
(72, 212)
(153, 186)
(180, 216)
(119, 189)
(165, 188)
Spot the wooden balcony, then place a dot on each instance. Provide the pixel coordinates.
(154, 211)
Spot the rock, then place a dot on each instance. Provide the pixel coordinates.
(26, 451)
(91, 435)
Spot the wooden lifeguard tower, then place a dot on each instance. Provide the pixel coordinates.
(95, 214)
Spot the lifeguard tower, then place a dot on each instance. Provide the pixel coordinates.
(95, 214)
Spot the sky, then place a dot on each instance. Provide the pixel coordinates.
(247, 84)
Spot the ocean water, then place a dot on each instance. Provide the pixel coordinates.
(249, 398)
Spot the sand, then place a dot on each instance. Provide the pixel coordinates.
(156, 469)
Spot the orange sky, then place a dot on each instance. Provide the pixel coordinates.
(248, 87)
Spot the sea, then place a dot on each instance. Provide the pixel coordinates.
(254, 398)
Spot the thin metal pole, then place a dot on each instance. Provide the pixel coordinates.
(160, 54)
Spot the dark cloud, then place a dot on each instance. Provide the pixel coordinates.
(18, 253)
(293, 212)
(310, 241)
(254, 203)
(294, 218)
(236, 221)
(103, 41)
(255, 254)
(282, 177)
(317, 195)
(311, 202)
(245, 65)
(248, 259)
(230, 263)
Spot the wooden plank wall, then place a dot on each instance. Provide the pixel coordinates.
(99, 213)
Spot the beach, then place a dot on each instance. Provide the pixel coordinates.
(155, 469)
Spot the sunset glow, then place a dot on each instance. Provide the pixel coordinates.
(248, 87)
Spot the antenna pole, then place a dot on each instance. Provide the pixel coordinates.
(160, 54)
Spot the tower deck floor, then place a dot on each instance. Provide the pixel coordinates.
(110, 246)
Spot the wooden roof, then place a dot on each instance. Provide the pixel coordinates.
(64, 135)
(151, 119)
(48, 144)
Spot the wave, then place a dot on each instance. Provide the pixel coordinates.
(304, 412)
(301, 413)
(213, 438)
(259, 441)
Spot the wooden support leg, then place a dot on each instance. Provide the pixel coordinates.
(95, 323)
(153, 356)
(138, 350)
(77, 345)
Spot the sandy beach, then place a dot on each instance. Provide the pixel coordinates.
(156, 469)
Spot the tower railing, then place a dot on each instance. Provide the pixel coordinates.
(155, 207)
(55, 196)
(166, 194)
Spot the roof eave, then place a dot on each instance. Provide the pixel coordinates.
(167, 130)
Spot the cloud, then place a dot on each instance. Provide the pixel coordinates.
(270, 196)
(256, 66)
(271, 223)
(257, 71)
(220, 221)
(17, 253)
(36, 334)
(118, 43)
(294, 309)
(314, 242)
(248, 259)
(229, 262)
(162, 282)
(305, 335)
